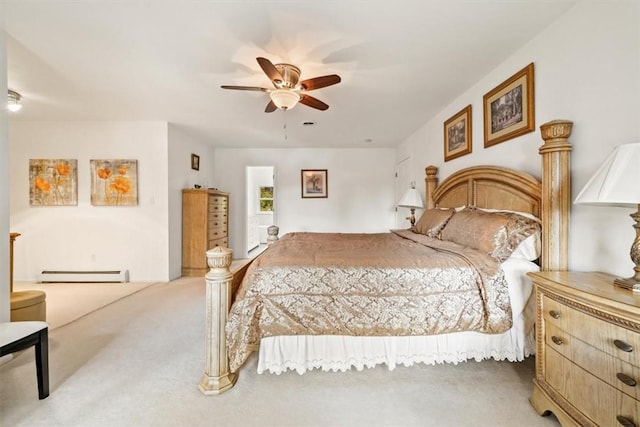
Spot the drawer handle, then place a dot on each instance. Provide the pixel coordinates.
(623, 346)
(624, 421)
(554, 314)
(557, 340)
(626, 379)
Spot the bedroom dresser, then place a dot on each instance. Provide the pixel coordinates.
(205, 225)
(588, 349)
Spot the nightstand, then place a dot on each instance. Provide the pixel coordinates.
(587, 349)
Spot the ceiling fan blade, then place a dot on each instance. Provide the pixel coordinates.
(254, 88)
(318, 82)
(270, 70)
(271, 107)
(312, 102)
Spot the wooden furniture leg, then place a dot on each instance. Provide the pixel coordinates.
(12, 238)
(42, 362)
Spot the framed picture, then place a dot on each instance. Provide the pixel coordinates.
(114, 182)
(53, 182)
(195, 162)
(509, 108)
(457, 134)
(314, 183)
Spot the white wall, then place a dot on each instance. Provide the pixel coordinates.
(587, 69)
(360, 189)
(86, 237)
(4, 178)
(181, 146)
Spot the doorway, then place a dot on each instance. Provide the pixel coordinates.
(261, 207)
(402, 184)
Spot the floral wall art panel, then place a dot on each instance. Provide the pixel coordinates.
(53, 182)
(114, 182)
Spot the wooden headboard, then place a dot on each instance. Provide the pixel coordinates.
(496, 187)
(488, 187)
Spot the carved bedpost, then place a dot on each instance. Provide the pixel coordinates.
(217, 377)
(431, 179)
(556, 194)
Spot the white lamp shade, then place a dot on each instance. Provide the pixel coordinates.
(411, 199)
(284, 99)
(617, 182)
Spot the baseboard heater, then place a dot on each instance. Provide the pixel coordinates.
(107, 276)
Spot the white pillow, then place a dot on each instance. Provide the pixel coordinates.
(529, 249)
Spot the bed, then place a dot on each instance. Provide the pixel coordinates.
(333, 308)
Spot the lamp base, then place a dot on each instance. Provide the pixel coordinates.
(630, 284)
(412, 218)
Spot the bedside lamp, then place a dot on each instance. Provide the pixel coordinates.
(617, 183)
(411, 200)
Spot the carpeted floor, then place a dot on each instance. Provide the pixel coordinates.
(67, 302)
(138, 362)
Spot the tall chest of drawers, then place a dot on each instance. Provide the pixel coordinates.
(588, 350)
(205, 225)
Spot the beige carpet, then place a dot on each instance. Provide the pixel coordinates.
(67, 302)
(137, 362)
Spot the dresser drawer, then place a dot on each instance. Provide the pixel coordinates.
(597, 400)
(607, 337)
(217, 232)
(615, 372)
(219, 218)
(218, 242)
(217, 203)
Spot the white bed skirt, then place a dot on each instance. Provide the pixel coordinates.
(340, 353)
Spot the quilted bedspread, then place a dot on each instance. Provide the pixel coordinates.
(397, 283)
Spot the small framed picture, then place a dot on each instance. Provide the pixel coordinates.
(457, 134)
(195, 162)
(509, 108)
(314, 183)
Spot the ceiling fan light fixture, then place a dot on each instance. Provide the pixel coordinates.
(13, 103)
(284, 99)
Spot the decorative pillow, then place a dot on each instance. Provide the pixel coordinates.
(432, 221)
(525, 214)
(530, 248)
(497, 234)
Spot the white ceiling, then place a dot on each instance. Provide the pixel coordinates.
(400, 62)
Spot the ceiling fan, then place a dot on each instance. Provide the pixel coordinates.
(288, 89)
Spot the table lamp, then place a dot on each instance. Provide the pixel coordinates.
(617, 183)
(413, 201)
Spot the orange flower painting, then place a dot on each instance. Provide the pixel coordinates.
(53, 182)
(114, 182)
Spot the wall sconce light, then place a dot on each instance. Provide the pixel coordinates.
(13, 103)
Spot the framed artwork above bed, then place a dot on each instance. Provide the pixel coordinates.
(457, 134)
(509, 108)
(314, 183)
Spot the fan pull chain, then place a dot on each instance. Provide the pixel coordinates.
(285, 124)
